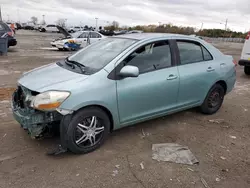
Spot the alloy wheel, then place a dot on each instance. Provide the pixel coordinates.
(89, 132)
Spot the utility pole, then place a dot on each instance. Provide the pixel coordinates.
(43, 20)
(96, 20)
(159, 23)
(201, 26)
(226, 25)
(1, 14)
(8, 17)
(18, 15)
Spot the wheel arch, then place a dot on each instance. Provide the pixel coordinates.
(105, 109)
(223, 84)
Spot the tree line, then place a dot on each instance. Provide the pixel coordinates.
(170, 28)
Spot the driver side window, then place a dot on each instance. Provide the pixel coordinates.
(151, 57)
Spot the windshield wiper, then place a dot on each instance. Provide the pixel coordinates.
(72, 63)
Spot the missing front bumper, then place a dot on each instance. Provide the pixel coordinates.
(34, 120)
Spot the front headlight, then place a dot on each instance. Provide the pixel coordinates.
(49, 100)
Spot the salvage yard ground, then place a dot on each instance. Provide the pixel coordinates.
(220, 142)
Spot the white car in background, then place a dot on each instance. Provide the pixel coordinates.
(80, 37)
(49, 28)
(245, 55)
(75, 29)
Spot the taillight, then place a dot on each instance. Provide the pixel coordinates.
(248, 35)
(10, 33)
(235, 63)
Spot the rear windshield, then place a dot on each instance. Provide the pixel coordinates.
(4, 26)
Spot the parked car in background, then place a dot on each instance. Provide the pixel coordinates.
(49, 28)
(19, 26)
(245, 55)
(120, 81)
(28, 27)
(80, 37)
(134, 31)
(75, 29)
(38, 27)
(7, 31)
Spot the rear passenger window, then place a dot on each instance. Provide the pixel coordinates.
(192, 52)
(206, 54)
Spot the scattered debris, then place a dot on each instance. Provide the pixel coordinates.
(217, 179)
(171, 179)
(4, 102)
(4, 135)
(173, 152)
(142, 166)
(117, 166)
(224, 147)
(223, 158)
(115, 172)
(178, 180)
(190, 169)
(210, 155)
(3, 115)
(218, 121)
(233, 137)
(224, 170)
(204, 183)
(143, 134)
(77, 174)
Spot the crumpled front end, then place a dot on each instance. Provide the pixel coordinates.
(35, 121)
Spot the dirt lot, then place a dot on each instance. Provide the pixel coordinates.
(221, 146)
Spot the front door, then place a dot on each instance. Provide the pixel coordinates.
(198, 72)
(155, 90)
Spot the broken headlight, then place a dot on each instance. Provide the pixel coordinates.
(49, 100)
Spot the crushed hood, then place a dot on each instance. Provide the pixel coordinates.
(50, 77)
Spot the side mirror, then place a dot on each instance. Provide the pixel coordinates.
(129, 71)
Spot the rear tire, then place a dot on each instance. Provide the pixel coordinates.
(213, 100)
(87, 130)
(247, 70)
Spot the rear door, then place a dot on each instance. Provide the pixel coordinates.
(245, 55)
(94, 36)
(198, 72)
(82, 39)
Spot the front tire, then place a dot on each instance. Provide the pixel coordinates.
(87, 130)
(213, 100)
(247, 70)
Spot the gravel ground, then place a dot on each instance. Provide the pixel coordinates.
(220, 142)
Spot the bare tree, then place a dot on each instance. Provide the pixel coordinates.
(61, 22)
(34, 20)
(115, 24)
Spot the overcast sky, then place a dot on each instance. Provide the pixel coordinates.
(213, 13)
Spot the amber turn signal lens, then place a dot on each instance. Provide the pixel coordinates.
(49, 106)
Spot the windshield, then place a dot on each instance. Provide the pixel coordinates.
(100, 53)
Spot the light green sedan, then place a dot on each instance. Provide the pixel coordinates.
(120, 81)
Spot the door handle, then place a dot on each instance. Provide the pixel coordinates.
(210, 69)
(223, 64)
(172, 77)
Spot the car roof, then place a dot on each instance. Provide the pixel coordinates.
(144, 36)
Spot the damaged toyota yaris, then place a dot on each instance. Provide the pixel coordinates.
(121, 81)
